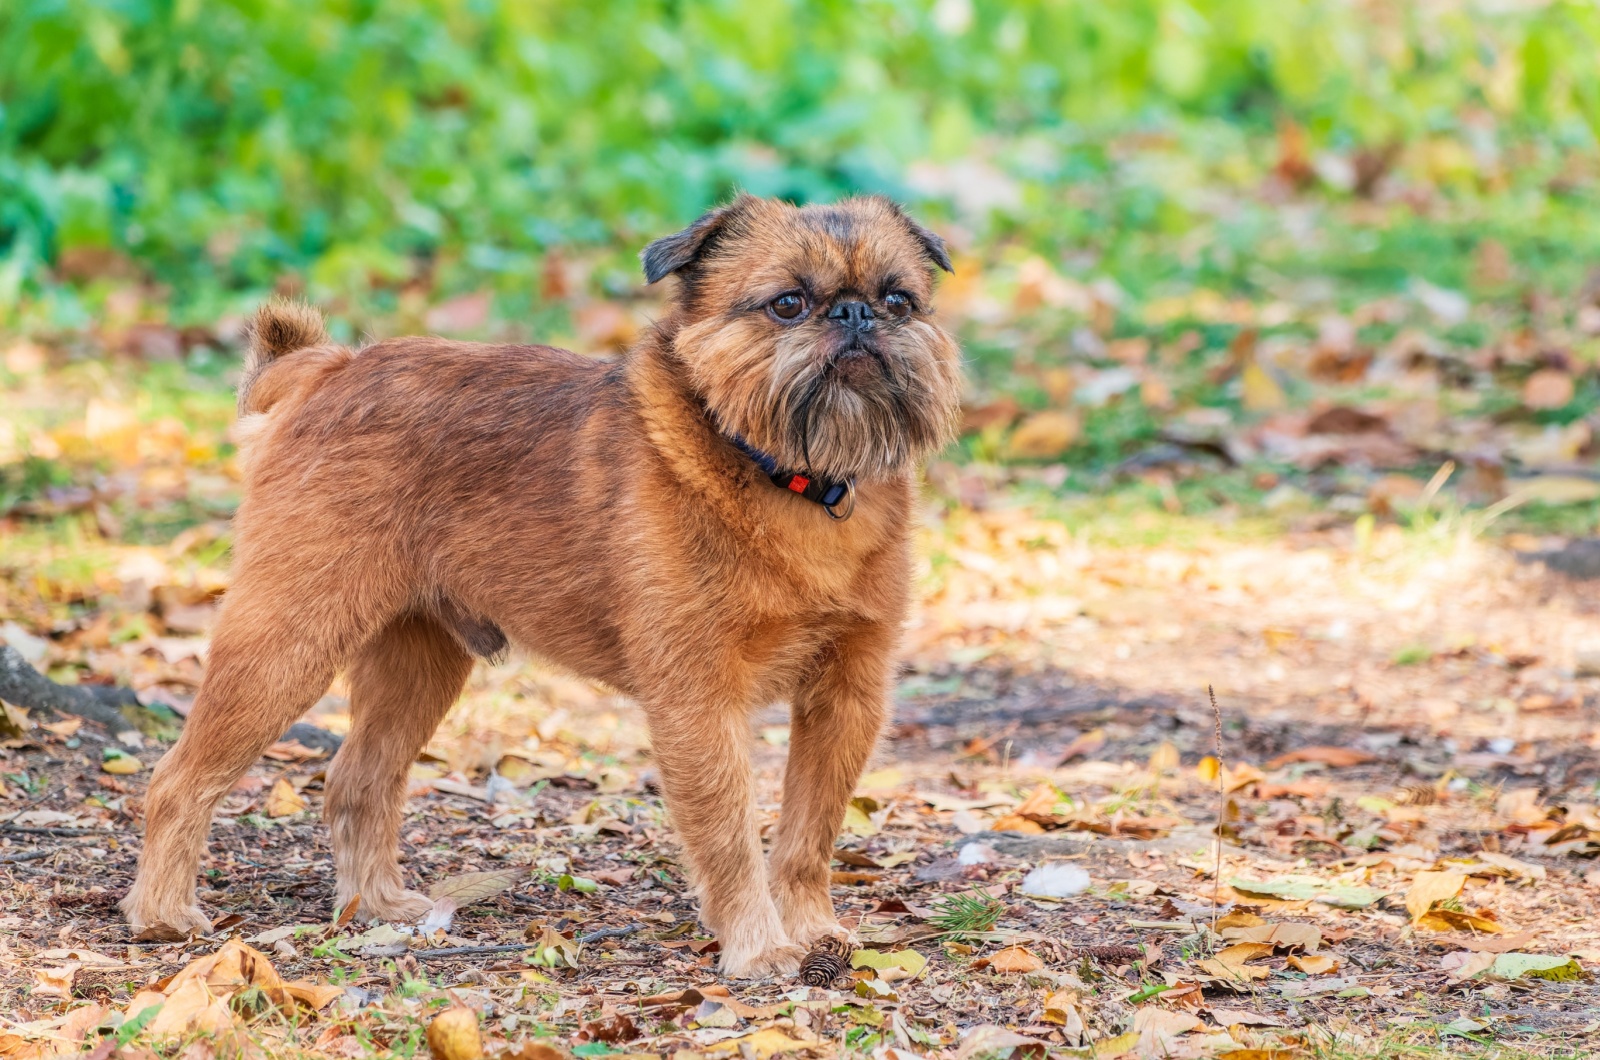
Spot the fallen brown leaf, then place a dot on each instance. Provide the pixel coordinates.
(1337, 757)
(1429, 888)
(1015, 960)
(283, 800)
(1317, 964)
(453, 1035)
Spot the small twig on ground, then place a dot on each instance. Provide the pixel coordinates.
(1222, 810)
(55, 833)
(611, 933)
(29, 855)
(473, 951)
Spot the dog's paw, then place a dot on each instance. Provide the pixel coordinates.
(781, 959)
(394, 905)
(814, 928)
(807, 914)
(164, 924)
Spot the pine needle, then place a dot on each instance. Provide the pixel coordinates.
(964, 914)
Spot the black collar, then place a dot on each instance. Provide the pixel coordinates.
(818, 490)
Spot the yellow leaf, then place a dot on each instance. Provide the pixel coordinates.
(1234, 972)
(1452, 920)
(900, 964)
(1506, 864)
(283, 800)
(1041, 801)
(313, 995)
(1241, 776)
(762, 1044)
(1112, 1048)
(232, 967)
(1013, 823)
(1015, 960)
(856, 822)
(882, 780)
(1157, 1027)
(1318, 964)
(1284, 936)
(554, 949)
(1241, 952)
(1429, 888)
(14, 721)
(1231, 962)
(1164, 757)
(1261, 392)
(1208, 769)
(188, 1008)
(1045, 435)
(122, 765)
(1061, 1008)
(453, 1035)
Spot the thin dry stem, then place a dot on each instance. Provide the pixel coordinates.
(1222, 807)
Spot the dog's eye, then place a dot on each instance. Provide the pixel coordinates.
(898, 303)
(787, 306)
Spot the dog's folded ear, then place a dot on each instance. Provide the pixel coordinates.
(671, 253)
(932, 244)
(938, 253)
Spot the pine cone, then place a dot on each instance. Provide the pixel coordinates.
(829, 957)
(1113, 954)
(1416, 795)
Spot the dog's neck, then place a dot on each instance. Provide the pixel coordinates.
(838, 498)
(655, 376)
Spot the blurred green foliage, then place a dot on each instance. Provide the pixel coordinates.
(219, 145)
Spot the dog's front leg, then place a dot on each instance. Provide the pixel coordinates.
(704, 758)
(834, 725)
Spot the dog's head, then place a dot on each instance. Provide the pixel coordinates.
(808, 331)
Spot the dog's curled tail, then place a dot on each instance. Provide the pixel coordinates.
(279, 328)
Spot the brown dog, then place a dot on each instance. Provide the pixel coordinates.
(716, 522)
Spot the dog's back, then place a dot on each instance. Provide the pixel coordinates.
(430, 397)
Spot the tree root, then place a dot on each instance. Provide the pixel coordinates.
(24, 686)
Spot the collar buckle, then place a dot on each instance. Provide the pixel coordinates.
(849, 501)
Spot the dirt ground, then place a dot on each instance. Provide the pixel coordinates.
(1409, 765)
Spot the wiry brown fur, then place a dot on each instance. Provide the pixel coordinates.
(407, 503)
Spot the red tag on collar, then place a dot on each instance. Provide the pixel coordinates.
(799, 483)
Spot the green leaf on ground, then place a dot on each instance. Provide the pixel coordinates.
(1307, 888)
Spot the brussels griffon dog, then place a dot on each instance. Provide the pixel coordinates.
(717, 521)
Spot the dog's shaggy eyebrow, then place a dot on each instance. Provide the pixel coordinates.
(752, 302)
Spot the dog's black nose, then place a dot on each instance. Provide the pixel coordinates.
(857, 316)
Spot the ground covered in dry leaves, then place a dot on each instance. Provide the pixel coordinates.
(1407, 786)
(1346, 505)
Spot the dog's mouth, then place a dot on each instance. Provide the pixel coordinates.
(856, 361)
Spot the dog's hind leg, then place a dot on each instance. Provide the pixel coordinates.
(402, 683)
(273, 655)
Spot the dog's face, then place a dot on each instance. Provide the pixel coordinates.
(808, 331)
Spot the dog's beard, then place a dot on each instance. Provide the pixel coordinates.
(834, 406)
